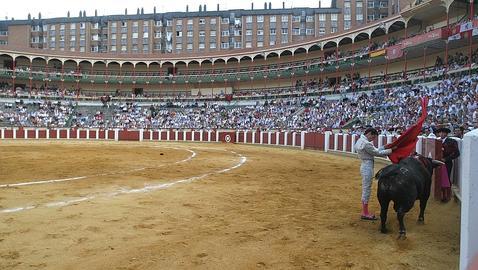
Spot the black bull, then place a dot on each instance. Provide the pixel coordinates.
(404, 183)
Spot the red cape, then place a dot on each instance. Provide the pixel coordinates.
(407, 142)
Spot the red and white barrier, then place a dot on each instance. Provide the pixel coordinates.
(469, 200)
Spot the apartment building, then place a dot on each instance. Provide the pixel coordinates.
(195, 32)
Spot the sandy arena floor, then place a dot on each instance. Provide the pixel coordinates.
(201, 206)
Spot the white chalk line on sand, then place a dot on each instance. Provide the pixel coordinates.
(40, 182)
(123, 191)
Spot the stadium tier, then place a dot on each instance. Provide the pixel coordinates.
(229, 60)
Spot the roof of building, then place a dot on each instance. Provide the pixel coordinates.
(171, 15)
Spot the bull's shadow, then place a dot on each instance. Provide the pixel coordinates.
(404, 183)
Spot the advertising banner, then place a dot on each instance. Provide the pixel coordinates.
(416, 40)
(394, 52)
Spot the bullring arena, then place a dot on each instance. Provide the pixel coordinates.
(160, 205)
(164, 205)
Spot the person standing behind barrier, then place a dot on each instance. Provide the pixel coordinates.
(366, 152)
(450, 152)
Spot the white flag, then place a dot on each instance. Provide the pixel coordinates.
(475, 32)
(466, 26)
(454, 37)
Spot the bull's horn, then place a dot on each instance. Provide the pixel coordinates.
(437, 162)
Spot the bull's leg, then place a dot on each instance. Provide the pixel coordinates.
(423, 205)
(400, 216)
(383, 215)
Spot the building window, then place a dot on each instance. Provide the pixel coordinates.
(212, 22)
(190, 46)
(82, 26)
(359, 11)
(272, 19)
(179, 33)
(309, 32)
(333, 30)
(309, 19)
(272, 43)
(212, 45)
(212, 33)
(384, 4)
(370, 4)
(249, 19)
(237, 45)
(260, 44)
(202, 46)
(260, 18)
(203, 21)
(334, 17)
(225, 33)
(248, 44)
(82, 49)
(123, 48)
(371, 17)
(347, 25)
(321, 32)
(237, 33)
(134, 35)
(260, 32)
(224, 45)
(158, 23)
(272, 32)
(295, 31)
(284, 40)
(179, 46)
(169, 23)
(190, 33)
(146, 35)
(225, 21)
(285, 31)
(190, 21)
(295, 18)
(249, 32)
(179, 22)
(285, 18)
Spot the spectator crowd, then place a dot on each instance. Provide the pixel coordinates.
(453, 101)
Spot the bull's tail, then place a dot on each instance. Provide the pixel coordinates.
(378, 174)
